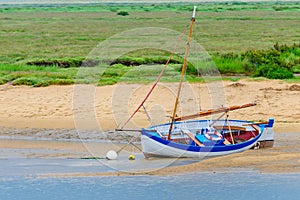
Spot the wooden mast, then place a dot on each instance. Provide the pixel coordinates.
(183, 69)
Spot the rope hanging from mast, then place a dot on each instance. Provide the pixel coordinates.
(154, 85)
(183, 69)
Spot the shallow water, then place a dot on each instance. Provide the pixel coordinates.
(35, 178)
(231, 185)
(30, 173)
(34, 167)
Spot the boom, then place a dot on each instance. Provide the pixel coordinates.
(213, 111)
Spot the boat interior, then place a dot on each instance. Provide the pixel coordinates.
(216, 135)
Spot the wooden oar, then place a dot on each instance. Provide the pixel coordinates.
(191, 135)
(230, 131)
(256, 123)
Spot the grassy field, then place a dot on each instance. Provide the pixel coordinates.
(55, 33)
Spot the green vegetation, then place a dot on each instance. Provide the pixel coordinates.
(46, 44)
(278, 62)
(36, 75)
(60, 62)
(123, 13)
(148, 7)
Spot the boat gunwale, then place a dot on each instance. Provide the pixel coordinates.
(193, 121)
(215, 148)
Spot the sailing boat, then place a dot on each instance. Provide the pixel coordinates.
(186, 138)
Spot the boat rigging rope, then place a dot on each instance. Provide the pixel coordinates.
(155, 83)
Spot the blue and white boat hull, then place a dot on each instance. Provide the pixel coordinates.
(154, 145)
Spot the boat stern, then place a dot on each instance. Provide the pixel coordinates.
(267, 138)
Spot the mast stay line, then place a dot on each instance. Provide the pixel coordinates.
(154, 85)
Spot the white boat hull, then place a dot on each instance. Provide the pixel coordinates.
(152, 148)
(154, 145)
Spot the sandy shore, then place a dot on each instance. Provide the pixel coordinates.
(89, 107)
(56, 112)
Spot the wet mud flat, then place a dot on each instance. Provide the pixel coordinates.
(88, 148)
(68, 134)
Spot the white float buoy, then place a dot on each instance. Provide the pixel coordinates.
(111, 155)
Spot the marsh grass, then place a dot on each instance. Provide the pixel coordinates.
(73, 31)
(36, 75)
(57, 38)
(278, 62)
